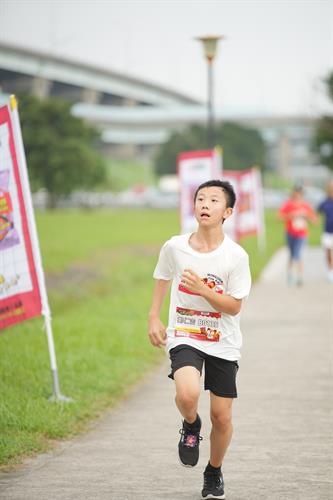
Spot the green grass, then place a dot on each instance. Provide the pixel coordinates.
(122, 174)
(72, 236)
(99, 304)
(102, 349)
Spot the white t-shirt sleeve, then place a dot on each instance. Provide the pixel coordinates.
(239, 283)
(164, 268)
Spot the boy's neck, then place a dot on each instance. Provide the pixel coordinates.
(207, 238)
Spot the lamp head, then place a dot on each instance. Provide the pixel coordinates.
(210, 45)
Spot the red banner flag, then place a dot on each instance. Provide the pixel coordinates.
(194, 168)
(20, 296)
(248, 214)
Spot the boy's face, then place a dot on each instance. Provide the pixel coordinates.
(210, 207)
(297, 195)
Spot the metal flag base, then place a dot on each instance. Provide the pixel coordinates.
(57, 397)
(60, 398)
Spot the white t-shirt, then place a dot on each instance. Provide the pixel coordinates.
(192, 320)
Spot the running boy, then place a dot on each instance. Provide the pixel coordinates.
(296, 212)
(210, 277)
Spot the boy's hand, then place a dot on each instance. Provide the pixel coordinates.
(156, 332)
(192, 281)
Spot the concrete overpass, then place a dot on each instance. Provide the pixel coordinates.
(44, 74)
(135, 116)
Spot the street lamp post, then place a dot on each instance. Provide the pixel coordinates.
(210, 47)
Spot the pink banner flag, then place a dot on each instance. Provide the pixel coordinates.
(194, 168)
(20, 296)
(248, 214)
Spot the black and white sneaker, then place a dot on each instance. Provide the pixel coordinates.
(188, 446)
(213, 486)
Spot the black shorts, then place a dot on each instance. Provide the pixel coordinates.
(220, 374)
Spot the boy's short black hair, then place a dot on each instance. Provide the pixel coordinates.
(298, 188)
(225, 186)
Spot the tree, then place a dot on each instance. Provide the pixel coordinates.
(324, 132)
(60, 148)
(242, 147)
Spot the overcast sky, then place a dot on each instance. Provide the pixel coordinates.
(273, 60)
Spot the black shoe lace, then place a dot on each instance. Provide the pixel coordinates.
(212, 481)
(187, 433)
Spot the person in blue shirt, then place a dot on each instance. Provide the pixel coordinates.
(326, 208)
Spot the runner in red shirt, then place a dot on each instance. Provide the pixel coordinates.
(296, 213)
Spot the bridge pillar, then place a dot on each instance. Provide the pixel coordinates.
(129, 102)
(91, 96)
(41, 87)
(284, 156)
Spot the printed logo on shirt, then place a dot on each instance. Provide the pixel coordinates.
(198, 325)
(211, 280)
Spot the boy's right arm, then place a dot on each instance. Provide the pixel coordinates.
(156, 329)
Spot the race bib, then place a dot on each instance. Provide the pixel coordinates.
(299, 223)
(199, 325)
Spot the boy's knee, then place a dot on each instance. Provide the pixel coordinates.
(221, 420)
(188, 397)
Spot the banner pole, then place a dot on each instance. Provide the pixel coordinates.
(262, 239)
(57, 396)
(261, 234)
(46, 313)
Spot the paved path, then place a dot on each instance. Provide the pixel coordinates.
(282, 447)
